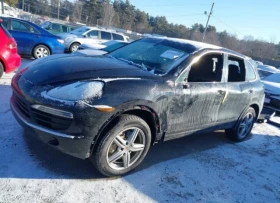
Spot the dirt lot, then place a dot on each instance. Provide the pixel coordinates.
(201, 168)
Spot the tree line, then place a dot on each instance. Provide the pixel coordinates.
(122, 14)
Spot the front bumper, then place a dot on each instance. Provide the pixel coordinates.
(272, 102)
(74, 145)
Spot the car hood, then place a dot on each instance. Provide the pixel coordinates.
(66, 35)
(272, 87)
(66, 68)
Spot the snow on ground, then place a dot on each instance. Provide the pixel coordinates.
(201, 168)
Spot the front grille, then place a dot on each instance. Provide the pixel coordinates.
(50, 120)
(42, 118)
(23, 107)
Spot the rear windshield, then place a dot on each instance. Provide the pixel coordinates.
(6, 31)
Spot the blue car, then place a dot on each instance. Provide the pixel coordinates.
(33, 40)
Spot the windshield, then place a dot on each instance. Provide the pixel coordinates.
(80, 30)
(113, 47)
(154, 54)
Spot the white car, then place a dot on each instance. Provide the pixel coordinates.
(89, 35)
(99, 49)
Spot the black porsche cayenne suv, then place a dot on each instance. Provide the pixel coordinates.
(112, 108)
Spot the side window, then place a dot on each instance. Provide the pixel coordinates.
(117, 37)
(236, 69)
(250, 73)
(105, 35)
(93, 34)
(22, 27)
(64, 28)
(56, 27)
(209, 68)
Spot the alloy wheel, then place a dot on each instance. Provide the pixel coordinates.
(246, 125)
(41, 52)
(126, 148)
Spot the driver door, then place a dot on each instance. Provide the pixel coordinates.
(199, 92)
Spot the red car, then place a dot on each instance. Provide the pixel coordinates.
(9, 58)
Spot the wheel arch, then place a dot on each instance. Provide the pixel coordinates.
(142, 111)
(256, 108)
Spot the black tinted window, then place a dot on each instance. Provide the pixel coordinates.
(56, 27)
(64, 28)
(22, 27)
(209, 68)
(236, 70)
(105, 35)
(250, 73)
(117, 37)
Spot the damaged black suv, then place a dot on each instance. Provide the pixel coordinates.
(112, 108)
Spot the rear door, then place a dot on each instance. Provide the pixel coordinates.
(105, 36)
(25, 35)
(239, 91)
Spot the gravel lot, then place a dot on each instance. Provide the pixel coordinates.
(201, 168)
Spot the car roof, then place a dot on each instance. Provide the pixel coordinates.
(203, 46)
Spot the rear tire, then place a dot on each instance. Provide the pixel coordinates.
(41, 51)
(242, 130)
(1, 69)
(74, 47)
(123, 148)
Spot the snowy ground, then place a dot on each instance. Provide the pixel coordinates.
(202, 168)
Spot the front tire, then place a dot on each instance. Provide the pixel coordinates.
(74, 47)
(41, 51)
(242, 130)
(123, 148)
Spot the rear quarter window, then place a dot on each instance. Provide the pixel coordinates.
(250, 73)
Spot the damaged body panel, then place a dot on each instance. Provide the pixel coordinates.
(177, 87)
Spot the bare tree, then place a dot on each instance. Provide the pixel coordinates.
(107, 15)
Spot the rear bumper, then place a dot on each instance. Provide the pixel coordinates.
(12, 62)
(74, 145)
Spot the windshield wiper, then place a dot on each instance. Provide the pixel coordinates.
(134, 64)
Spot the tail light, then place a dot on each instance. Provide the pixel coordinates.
(12, 44)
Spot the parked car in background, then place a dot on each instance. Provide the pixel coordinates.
(113, 108)
(268, 68)
(89, 35)
(9, 58)
(264, 73)
(99, 49)
(272, 91)
(56, 28)
(33, 40)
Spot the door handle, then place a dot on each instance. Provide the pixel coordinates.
(250, 91)
(220, 92)
(186, 86)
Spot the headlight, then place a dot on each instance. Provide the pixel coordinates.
(77, 91)
(61, 41)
